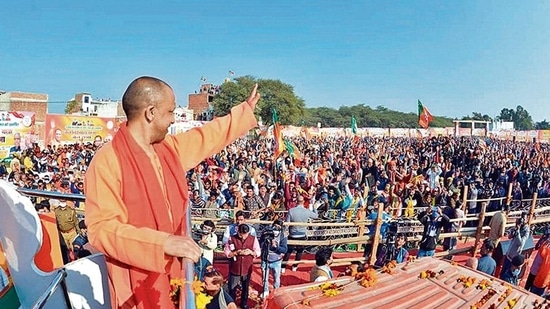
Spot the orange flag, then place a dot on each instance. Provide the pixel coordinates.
(424, 116)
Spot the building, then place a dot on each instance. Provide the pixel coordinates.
(201, 103)
(25, 101)
(88, 106)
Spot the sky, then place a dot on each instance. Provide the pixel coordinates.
(457, 57)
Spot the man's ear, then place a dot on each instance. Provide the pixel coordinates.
(150, 113)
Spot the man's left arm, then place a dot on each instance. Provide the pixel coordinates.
(199, 143)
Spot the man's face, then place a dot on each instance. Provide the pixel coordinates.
(210, 287)
(163, 115)
(58, 135)
(17, 140)
(250, 192)
(400, 241)
(240, 220)
(97, 141)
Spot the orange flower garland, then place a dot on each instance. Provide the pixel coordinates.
(201, 298)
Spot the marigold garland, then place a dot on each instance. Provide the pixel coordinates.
(201, 298)
(367, 278)
(389, 267)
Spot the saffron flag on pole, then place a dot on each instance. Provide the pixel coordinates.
(424, 116)
(277, 135)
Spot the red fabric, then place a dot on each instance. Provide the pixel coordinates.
(147, 208)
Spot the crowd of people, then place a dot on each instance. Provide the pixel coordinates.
(332, 178)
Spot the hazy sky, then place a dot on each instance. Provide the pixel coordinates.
(457, 57)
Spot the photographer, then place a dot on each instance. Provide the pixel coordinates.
(208, 240)
(273, 243)
(433, 220)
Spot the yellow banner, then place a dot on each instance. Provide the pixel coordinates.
(17, 132)
(68, 129)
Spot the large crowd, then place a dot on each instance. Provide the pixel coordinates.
(329, 172)
(329, 177)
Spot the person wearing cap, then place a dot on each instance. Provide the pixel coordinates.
(511, 274)
(67, 221)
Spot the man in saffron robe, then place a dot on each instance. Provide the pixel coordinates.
(137, 195)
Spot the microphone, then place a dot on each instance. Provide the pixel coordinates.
(232, 248)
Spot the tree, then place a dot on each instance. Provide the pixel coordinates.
(72, 107)
(506, 114)
(543, 125)
(522, 119)
(275, 94)
(478, 116)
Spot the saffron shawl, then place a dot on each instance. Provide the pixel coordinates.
(149, 207)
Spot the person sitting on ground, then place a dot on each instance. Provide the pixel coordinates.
(321, 270)
(212, 284)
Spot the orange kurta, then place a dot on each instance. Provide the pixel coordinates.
(107, 216)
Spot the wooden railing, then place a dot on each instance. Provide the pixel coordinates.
(355, 230)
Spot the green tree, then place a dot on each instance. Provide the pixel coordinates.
(506, 114)
(72, 107)
(274, 94)
(522, 119)
(478, 116)
(542, 125)
(520, 116)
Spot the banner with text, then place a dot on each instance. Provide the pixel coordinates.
(17, 132)
(69, 129)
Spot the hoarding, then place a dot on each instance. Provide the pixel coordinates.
(17, 132)
(69, 129)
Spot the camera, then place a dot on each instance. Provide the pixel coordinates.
(268, 234)
(197, 232)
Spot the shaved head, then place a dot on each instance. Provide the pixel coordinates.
(142, 92)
